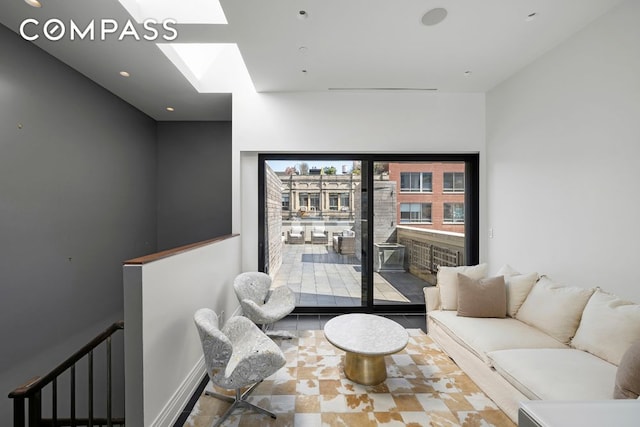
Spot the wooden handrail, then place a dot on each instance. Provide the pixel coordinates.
(175, 251)
(36, 384)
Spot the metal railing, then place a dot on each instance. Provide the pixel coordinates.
(28, 398)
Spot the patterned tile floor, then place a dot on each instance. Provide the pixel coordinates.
(423, 388)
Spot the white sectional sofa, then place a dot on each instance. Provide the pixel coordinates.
(543, 341)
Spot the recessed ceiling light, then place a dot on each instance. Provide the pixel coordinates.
(302, 49)
(171, 109)
(530, 17)
(304, 71)
(467, 73)
(124, 74)
(434, 16)
(33, 3)
(302, 14)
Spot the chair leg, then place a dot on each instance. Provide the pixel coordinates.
(240, 400)
(247, 392)
(228, 412)
(220, 396)
(259, 409)
(285, 335)
(268, 331)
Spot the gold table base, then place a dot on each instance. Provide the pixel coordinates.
(365, 369)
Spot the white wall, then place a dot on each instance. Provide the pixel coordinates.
(337, 122)
(563, 144)
(163, 354)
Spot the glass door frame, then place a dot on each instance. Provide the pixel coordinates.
(472, 220)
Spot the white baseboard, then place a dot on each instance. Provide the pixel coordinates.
(172, 410)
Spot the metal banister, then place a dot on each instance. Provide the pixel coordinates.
(31, 391)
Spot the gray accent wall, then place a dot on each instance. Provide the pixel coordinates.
(77, 197)
(86, 182)
(194, 182)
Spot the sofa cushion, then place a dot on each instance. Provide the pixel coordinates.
(627, 384)
(447, 281)
(554, 308)
(507, 270)
(481, 297)
(608, 327)
(483, 335)
(556, 374)
(517, 286)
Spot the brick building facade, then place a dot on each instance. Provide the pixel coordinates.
(430, 194)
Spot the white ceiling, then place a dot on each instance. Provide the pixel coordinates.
(350, 45)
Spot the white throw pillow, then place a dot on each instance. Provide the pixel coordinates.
(447, 281)
(554, 308)
(518, 287)
(507, 270)
(608, 327)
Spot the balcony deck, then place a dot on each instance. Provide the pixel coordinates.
(321, 277)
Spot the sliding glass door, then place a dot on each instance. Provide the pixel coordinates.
(311, 229)
(365, 232)
(418, 226)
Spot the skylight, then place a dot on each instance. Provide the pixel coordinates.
(209, 67)
(182, 11)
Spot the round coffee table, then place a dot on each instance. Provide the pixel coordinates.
(366, 339)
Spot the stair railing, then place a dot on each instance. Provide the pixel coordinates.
(31, 392)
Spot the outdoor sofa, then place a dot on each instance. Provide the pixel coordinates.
(344, 243)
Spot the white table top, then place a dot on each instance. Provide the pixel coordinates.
(613, 413)
(366, 334)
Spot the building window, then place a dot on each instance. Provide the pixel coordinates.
(453, 213)
(314, 200)
(285, 201)
(333, 201)
(415, 182)
(344, 201)
(453, 182)
(304, 200)
(415, 212)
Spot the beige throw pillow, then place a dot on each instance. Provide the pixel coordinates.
(628, 374)
(518, 287)
(447, 281)
(554, 309)
(482, 297)
(608, 327)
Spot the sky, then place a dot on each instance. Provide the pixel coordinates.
(281, 165)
